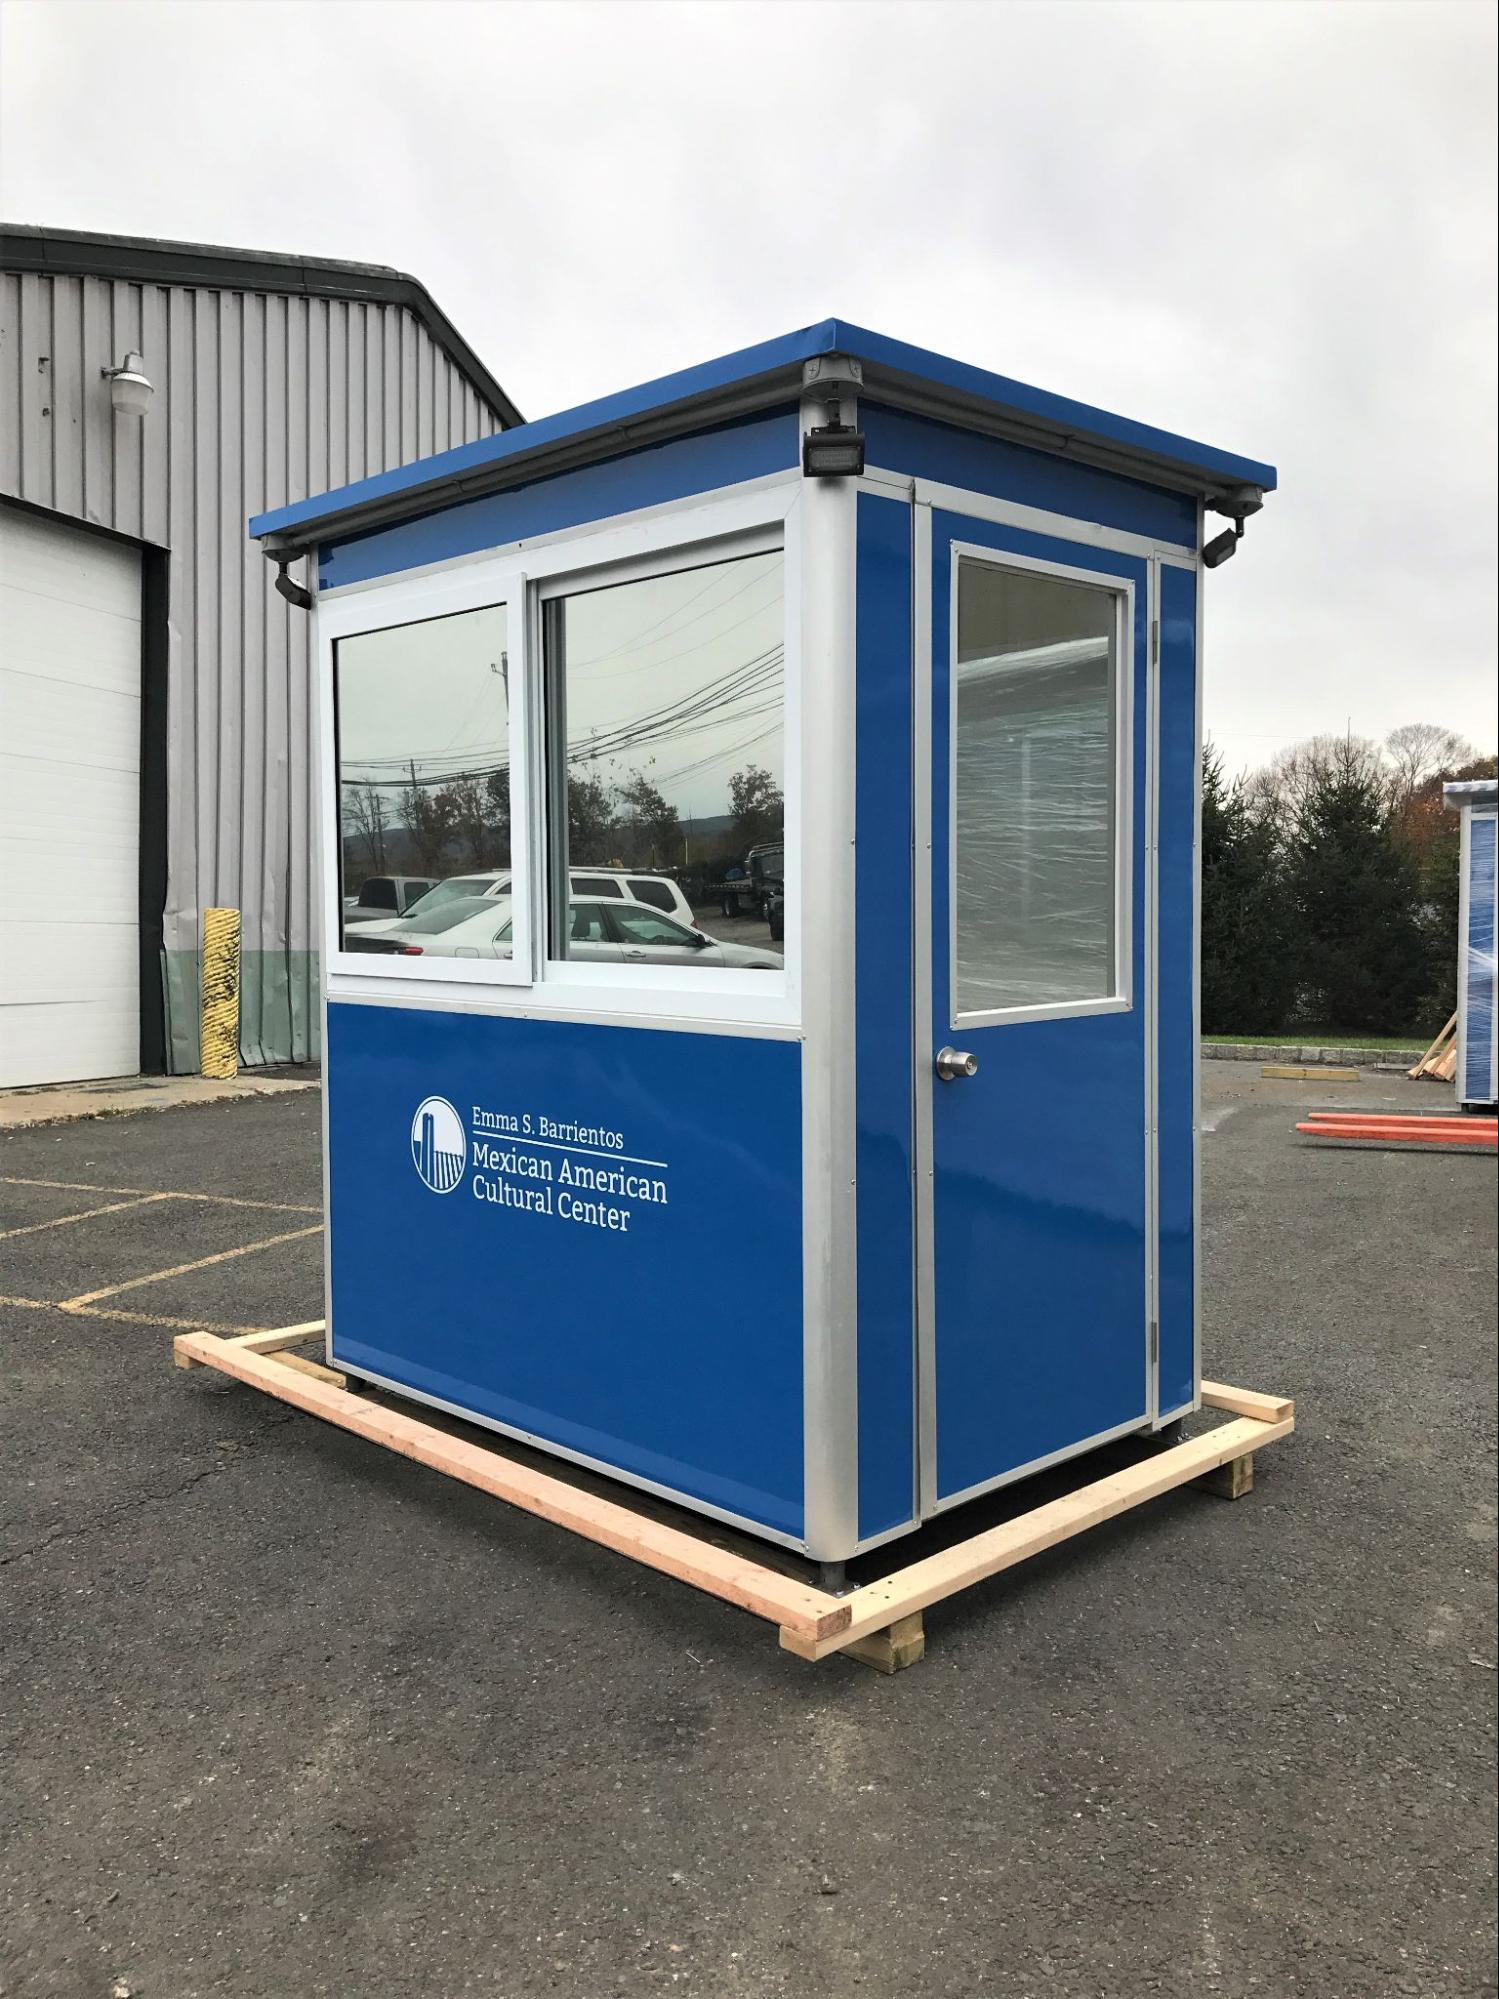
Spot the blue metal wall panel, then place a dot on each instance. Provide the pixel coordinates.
(616, 1343)
(882, 998)
(926, 450)
(1039, 1202)
(674, 471)
(1478, 1022)
(1175, 1050)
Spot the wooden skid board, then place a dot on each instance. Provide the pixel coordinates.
(813, 1623)
(972, 1561)
(812, 1613)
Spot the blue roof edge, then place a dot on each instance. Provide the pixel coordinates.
(1058, 416)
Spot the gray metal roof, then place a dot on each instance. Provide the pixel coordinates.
(1471, 791)
(150, 260)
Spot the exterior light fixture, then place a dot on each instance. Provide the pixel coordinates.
(833, 451)
(130, 388)
(1238, 505)
(1222, 546)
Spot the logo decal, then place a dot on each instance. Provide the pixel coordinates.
(439, 1149)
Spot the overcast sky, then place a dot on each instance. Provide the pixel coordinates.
(1270, 227)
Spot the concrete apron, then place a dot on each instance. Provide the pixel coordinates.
(58, 1103)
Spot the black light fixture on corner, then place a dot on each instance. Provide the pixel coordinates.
(293, 592)
(1238, 505)
(833, 450)
(1222, 546)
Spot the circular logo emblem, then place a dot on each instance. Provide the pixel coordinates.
(439, 1149)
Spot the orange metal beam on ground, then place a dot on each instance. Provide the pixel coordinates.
(1462, 1135)
(1488, 1125)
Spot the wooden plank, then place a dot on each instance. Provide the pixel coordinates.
(313, 1369)
(1231, 1481)
(942, 1575)
(1434, 1052)
(266, 1342)
(1289, 1072)
(811, 1613)
(279, 1337)
(1245, 1402)
(899, 1645)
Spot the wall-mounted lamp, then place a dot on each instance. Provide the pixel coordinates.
(130, 387)
(833, 451)
(1238, 505)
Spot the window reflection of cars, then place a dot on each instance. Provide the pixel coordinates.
(659, 891)
(599, 932)
(386, 898)
(415, 931)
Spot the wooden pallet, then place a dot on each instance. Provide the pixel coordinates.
(879, 1623)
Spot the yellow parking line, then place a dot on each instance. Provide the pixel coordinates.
(172, 1194)
(133, 1318)
(86, 1214)
(182, 1269)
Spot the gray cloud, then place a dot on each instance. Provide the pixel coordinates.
(1271, 227)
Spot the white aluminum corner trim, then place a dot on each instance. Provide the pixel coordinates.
(827, 550)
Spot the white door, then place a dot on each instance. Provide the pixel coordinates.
(70, 728)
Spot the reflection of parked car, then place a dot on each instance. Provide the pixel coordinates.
(393, 938)
(775, 914)
(658, 891)
(386, 897)
(746, 890)
(608, 931)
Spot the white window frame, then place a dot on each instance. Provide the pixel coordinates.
(596, 556)
(483, 586)
(1122, 590)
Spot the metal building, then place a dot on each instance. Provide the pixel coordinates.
(155, 698)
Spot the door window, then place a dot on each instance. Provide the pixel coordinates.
(1035, 866)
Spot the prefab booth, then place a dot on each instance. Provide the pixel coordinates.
(1477, 1021)
(787, 1100)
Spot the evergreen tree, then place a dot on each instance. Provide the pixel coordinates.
(1356, 902)
(1248, 947)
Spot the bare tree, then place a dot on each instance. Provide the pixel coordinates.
(364, 812)
(1420, 751)
(1281, 790)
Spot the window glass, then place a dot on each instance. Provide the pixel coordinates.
(596, 885)
(666, 744)
(422, 716)
(639, 925)
(1034, 805)
(657, 894)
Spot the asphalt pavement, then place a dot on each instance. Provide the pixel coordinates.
(285, 1715)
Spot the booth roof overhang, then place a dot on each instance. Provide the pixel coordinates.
(894, 374)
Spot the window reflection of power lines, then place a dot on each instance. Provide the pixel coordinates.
(733, 697)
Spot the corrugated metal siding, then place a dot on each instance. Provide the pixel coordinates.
(260, 399)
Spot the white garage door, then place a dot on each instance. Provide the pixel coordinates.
(70, 726)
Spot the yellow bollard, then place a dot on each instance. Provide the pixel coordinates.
(219, 1039)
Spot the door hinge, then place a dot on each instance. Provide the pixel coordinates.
(1153, 1341)
(1155, 641)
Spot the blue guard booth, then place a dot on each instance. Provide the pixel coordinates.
(1477, 1042)
(786, 1098)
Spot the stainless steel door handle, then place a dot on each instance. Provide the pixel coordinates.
(955, 1062)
